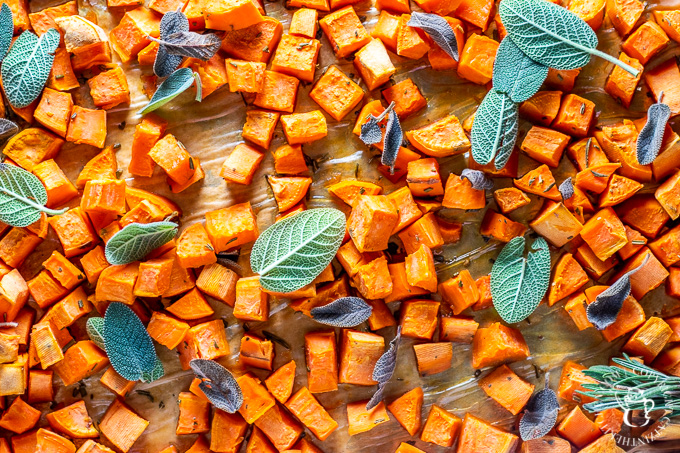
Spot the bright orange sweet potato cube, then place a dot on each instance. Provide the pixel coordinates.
(575, 116)
(419, 318)
(507, 388)
(545, 145)
(371, 222)
(498, 344)
(241, 165)
(104, 196)
(477, 436)
(59, 188)
(336, 93)
(279, 92)
(81, 360)
(304, 127)
(387, 29)
(245, 76)
(645, 42)
(87, 127)
(621, 85)
(54, 111)
(231, 227)
(171, 155)
(231, 14)
(373, 279)
(304, 23)
(476, 61)
(344, 31)
(423, 231)
(130, 35)
(460, 291)
(322, 362)
(556, 224)
(411, 42)
(252, 304)
(406, 97)
(109, 88)
(359, 351)
(296, 56)
(604, 233)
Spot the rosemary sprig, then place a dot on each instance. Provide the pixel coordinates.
(634, 387)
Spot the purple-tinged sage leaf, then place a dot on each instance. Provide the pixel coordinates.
(394, 137)
(190, 44)
(438, 29)
(7, 128)
(477, 178)
(384, 369)
(567, 188)
(218, 384)
(651, 136)
(343, 312)
(371, 132)
(172, 22)
(606, 307)
(540, 414)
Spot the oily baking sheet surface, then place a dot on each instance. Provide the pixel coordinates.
(211, 129)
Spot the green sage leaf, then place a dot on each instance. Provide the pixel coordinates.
(343, 312)
(127, 342)
(22, 197)
(178, 82)
(137, 240)
(171, 22)
(294, 251)
(552, 35)
(95, 330)
(27, 66)
(515, 74)
(155, 374)
(494, 130)
(651, 136)
(518, 284)
(218, 384)
(6, 29)
(438, 29)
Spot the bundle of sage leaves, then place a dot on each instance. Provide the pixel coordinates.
(540, 35)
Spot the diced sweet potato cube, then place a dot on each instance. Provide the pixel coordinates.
(420, 270)
(322, 368)
(459, 193)
(374, 64)
(254, 43)
(371, 222)
(433, 358)
(256, 352)
(423, 178)
(296, 56)
(411, 42)
(630, 317)
(360, 420)
(231, 227)
(545, 145)
(279, 92)
(604, 233)
(400, 287)
(649, 277)
(310, 412)
(81, 360)
(578, 428)
(87, 126)
(281, 429)
(542, 107)
(304, 23)
(59, 188)
(344, 31)
(407, 98)
(619, 143)
(130, 35)
(591, 11)
(387, 29)
(442, 138)
(423, 231)
(510, 198)
(419, 318)
(218, 282)
(556, 224)
(54, 111)
(477, 13)
(441, 427)
(259, 127)
(304, 127)
(74, 231)
(621, 84)
(499, 227)
(359, 351)
(460, 291)
(476, 61)
(649, 339)
(336, 93)
(477, 435)
(231, 14)
(122, 426)
(498, 344)
(241, 165)
(575, 116)
(507, 389)
(373, 279)
(109, 88)
(563, 80)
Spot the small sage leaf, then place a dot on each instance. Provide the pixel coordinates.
(27, 66)
(191, 44)
(552, 35)
(218, 384)
(22, 197)
(515, 74)
(178, 82)
(518, 284)
(384, 370)
(155, 374)
(477, 178)
(438, 29)
(8, 325)
(651, 136)
(371, 133)
(137, 240)
(171, 22)
(540, 414)
(567, 188)
(494, 130)
(343, 312)
(95, 330)
(393, 140)
(604, 310)
(127, 342)
(7, 128)
(294, 251)
(6, 29)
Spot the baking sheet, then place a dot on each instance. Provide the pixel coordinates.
(211, 129)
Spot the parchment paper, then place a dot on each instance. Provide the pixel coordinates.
(211, 129)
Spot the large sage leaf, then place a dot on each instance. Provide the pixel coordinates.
(518, 284)
(128, 345)
(27, 66)
(515, 74)
(343, 312)
(6, 29)
(156, 373)
(137, 240)
(218, 384)
(190, 44)
(651, 136)
(438, 29)
(552, 35)
(178, 82)
(494, 130)
(294, 251)
(22, 197)
(171, 22)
